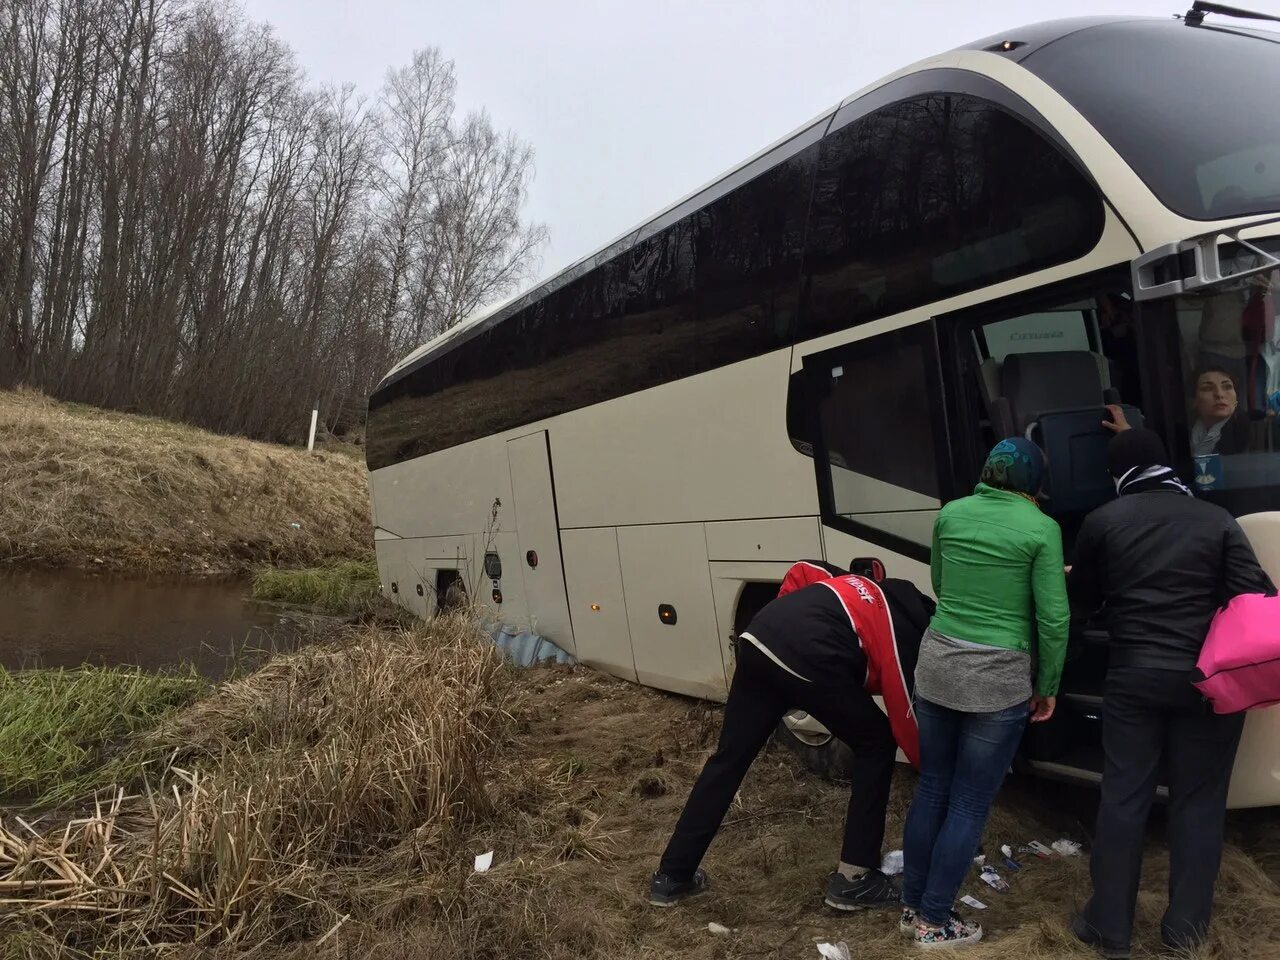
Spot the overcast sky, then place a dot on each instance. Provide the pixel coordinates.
(631, 104)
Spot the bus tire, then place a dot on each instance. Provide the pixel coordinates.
(828, 756)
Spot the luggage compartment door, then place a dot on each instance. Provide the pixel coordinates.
(540, 563)
(597, 601)
(671, 609)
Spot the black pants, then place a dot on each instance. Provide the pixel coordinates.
(761, 693)
(1148, 715)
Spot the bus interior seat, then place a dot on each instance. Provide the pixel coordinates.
(1051, 381)
(1003, 408)
(1055, 398)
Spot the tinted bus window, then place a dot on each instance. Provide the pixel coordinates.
(718, 285)
(1192, 110)
(933, 196)
(878, 420)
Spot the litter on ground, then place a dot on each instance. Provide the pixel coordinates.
(1068, 848)
(991, 878)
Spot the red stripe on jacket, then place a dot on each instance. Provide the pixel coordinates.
(868, 611)
(807, 572)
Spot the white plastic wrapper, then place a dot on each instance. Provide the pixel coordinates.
(834, 951)
(891, 866)
(1068, 848)
(484, 861)
(971, 902)
(992, 879)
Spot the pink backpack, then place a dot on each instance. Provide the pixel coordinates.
(1240, 661)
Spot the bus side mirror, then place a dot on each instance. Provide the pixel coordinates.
(869, 567)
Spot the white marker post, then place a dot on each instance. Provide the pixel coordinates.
(311, 440)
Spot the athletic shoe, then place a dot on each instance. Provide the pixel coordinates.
(954, 933)
(665, 892)
(1083, 932)
(907, 922)
(872, 889)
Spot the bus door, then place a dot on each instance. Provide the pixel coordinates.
(539, 562)
(1045, 365)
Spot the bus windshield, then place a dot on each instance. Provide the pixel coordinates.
(1191, 109)
(1230, 372)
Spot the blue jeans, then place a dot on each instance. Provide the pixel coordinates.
(963, 760)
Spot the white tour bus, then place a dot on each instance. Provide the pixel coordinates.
(808, 356)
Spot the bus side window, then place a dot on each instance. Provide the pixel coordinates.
(880, 425)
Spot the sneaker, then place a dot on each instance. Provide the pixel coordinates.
(910, 919)
(954, 933)
(872, 889)
(907, 922)
(666, 892)
(1085, 933)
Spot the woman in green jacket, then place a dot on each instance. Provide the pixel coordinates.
(997, 573)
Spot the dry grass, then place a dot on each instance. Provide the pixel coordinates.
(323, 784)
(331, 805)
(96, 489)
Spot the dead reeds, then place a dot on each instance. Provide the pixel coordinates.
(289, 795)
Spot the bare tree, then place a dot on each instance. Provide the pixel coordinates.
(417, 110)
(483, 247)
(186, 229)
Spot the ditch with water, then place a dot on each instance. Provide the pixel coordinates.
(59, 618)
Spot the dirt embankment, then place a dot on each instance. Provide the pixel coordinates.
(94, 489)
(600, 770)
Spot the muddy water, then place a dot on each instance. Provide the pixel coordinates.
(61, 619)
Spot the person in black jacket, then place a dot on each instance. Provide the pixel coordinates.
(825, 645)
(1159, 563)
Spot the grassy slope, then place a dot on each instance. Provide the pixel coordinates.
(92, 488)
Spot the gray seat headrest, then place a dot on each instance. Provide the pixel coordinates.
(1053, 380)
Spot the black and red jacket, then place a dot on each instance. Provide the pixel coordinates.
(842, 629)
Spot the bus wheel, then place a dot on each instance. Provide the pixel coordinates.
(820, 752)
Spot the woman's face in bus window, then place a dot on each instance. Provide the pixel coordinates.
(1215, 396)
